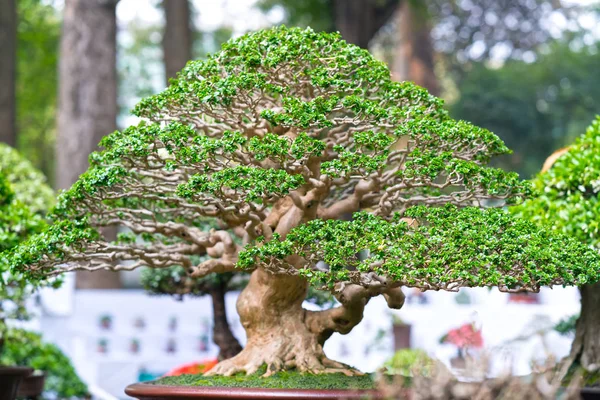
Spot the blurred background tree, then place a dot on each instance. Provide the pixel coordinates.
(535, 107)
(38, 36)
(8, 45)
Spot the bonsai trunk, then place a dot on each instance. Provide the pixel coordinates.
(585, 351)
(222, 335)
(281, 334)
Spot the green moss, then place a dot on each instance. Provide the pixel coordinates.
(589, 378)
(281, 380)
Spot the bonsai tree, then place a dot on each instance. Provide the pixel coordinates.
(24, 199)
(277, 138)
(568, 201)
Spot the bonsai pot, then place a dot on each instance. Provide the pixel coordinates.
(10, 378)
(32, 386)
(145, 391)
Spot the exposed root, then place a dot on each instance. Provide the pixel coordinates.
(249, 361)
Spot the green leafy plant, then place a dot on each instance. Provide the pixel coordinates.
(20, 217)
(566, 326)
(408, 362)
(24, 199)
(568, 201)
(27, 349)
(278, 138)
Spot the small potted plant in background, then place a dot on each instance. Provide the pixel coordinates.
(409, 362)
(59, 379)
(105, 322)
(24, 199)
(465, 338)
(402, 333)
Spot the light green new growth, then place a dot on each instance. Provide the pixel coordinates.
(277, 138)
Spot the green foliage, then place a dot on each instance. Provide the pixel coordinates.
(252, 183)
(406, 362)
(566, 326)
(24, 196)
(449, 248)
(285, 110)
(17, 222)
(27, 349)
(38, 36)
(535, 107)
(56, 241)
(280, 380)
(568, 195)
(30, 185)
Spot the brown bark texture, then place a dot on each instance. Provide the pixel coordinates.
(283, 335)
(87, 98)
(414, 60)
(177, 38)
(585, 351)
(8, 63)
(229, 346)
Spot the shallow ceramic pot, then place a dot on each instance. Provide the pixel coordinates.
(145, 391)
(32, 386)
(10, 378)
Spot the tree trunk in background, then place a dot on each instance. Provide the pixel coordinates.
(177, 38)
(87, 108)
(222, 335)
(585, 351)
(359, 20)
(8, 68)
(414, 59)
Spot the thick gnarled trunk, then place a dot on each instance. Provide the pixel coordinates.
(585, 351)
(229, 346)
(282, 335)
(279, 333)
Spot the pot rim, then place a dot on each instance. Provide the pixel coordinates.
(145, 390)
(15, 370)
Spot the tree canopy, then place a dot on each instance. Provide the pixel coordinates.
(277, 137)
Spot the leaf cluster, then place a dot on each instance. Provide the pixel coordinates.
(440, 248)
